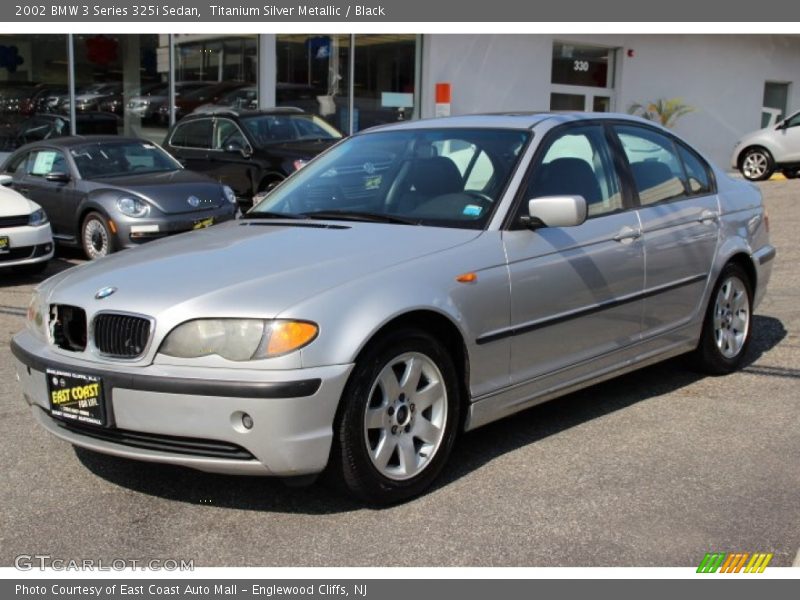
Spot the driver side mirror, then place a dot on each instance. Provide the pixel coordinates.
(57, 177)
(555, 211)
(6, 180)
(237, 148)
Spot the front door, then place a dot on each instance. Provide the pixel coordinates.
(575, 291)
(57, 198)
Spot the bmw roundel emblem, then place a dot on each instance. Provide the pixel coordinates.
(193, 201)
(104, 292)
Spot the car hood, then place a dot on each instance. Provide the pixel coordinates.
(14, 204)
(246, 268)
(169, 191)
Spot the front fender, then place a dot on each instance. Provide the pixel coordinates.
(351, 314)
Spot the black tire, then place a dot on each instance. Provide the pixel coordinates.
(791, 173)
(709, 357)
(757, 164)
(96, 237)
(351, 466)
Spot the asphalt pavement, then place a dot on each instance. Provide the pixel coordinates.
(654, 468)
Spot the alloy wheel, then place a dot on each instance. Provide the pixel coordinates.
(731, 317)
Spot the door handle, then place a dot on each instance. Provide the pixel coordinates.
(627, 233)
(708, 215)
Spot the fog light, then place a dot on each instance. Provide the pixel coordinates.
(247, 421)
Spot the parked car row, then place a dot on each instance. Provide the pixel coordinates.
(106, 193)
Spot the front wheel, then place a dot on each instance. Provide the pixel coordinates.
(96, 236)
(398, 419)
(727, 326)
(757, 164)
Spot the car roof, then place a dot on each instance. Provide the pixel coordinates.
(72, 141)
(505, 120)
(249, 112)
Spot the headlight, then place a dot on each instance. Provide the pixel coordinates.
(37, 316)
(37, 217)
(133, 207)
(238, 339)
(230, 196)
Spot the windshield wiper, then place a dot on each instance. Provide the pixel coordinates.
(264, 214)
(353, 215)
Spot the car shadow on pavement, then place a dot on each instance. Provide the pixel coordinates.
(473, 451)
(64, 259)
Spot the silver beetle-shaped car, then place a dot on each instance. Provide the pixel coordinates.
(414, 281)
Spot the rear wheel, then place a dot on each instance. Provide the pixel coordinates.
(757, 164)
(398, 419)
(726, 329)
(96, 236)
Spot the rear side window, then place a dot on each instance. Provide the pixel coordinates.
(697, 176)
(194, 134)
(656, 168)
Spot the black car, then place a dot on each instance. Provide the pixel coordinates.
(250, 151)
(110, 192)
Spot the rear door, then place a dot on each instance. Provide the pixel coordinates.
(679, 212)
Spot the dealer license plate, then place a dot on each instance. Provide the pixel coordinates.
(5, 244)
(76, 396)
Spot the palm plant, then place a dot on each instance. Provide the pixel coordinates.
(664, 111)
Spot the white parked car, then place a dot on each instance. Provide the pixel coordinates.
(26, 241)
(775, 148)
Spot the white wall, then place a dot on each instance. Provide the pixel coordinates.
(721, 76)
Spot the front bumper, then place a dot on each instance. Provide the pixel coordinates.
(28, 245)
(192, 417)
(133, 232)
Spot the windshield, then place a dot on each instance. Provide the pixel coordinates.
(272, 129)
(444, 177)
(112, 159)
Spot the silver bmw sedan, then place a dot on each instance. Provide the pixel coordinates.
(415, 281)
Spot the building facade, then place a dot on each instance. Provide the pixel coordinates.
(139, 84)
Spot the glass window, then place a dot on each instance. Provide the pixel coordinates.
(793, 121)
(696, 171)
(194, 134)
(271, 129)
(473, 164)
(575, 64)
(402, 176)
(654, 164)
(578, 163)
(33, 81)
(44, 162)
(228, 132)
(17, 165)
(111, 159)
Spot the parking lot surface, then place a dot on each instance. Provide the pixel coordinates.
(655, 468)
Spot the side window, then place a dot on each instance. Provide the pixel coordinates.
(793, 121)
(44, 162)
(228, 132)
(194, 134)
(696, 172)
(655, 166)
(578, 163)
